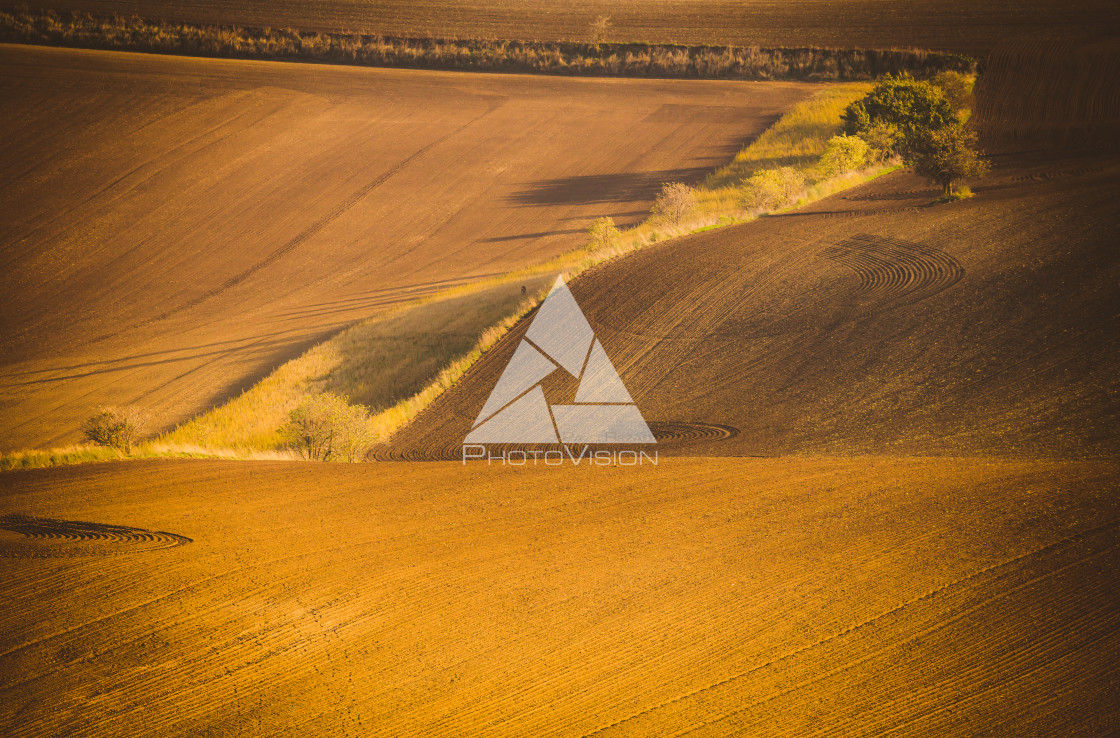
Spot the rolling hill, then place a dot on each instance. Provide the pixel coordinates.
(769, 597)
(876, 321)
(178, 227)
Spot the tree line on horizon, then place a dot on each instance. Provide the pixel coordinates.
(595, 57)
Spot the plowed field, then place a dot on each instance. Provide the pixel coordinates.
(703, 597)
(174, 228)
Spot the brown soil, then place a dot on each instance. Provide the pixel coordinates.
(876, 321)
(761, 597)
(799, 596)
(177, 227)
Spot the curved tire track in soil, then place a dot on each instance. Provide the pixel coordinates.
(49, 538)
(896, 271)
(680, 433)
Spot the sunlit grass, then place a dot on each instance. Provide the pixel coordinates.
(397, 362)
(797, 140)
(89, 453)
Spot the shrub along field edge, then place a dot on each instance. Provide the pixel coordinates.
(634, 59)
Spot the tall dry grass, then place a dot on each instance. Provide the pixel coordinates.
(398, 362)
(129, 33)
(395, 363)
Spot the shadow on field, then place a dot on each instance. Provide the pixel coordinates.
(539, 234)
(598, 188)
(48, 537)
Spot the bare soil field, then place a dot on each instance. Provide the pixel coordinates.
(870, 322)
(928, 557)
(875, 321)
(174, 228)
(1046, 92)
(948, 25)
(767, 597)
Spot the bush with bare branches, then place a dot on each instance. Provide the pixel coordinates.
(327, 427)
(116, 427)
(674, 203)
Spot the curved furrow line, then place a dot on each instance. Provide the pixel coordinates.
(49, 538)
(678, 432)
(892, 271)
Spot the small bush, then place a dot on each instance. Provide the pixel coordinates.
(674, 203)
(116, 427)
(327, 427)
(772, 189)
(600, 29)
(602, 234)
(843, 154)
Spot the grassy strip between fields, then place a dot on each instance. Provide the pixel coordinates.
(634, 59)
(376, 362)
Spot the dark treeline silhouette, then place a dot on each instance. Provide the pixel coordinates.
(83, 30)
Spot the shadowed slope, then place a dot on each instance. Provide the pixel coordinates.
(1042, 92)
(176, 227)
(868, 323)
(875, 322)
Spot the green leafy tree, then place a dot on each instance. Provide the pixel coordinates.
(914, 107)
(884, 141)
(602, 234)
(947, 156)
(956, 87)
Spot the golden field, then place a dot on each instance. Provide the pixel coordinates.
(888, 489)
(795, 596)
